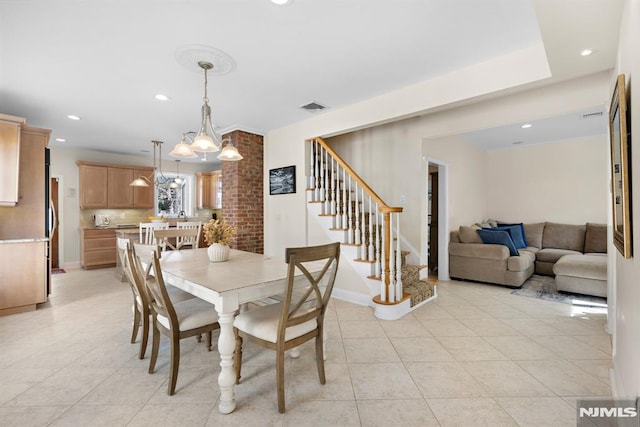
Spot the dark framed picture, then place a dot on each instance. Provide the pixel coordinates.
(282, 180)
(620, 169)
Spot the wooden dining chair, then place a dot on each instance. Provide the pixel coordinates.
(135, 275)
(167, 238)
(140, 301)
(299, 317)
(189, 240)
(189, 318)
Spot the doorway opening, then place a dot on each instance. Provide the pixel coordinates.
(437, 219)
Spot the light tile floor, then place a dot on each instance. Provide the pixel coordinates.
(478, 355)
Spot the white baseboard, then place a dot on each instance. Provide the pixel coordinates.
(72, 264)
(352, 297)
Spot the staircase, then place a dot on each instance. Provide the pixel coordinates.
(369, 230)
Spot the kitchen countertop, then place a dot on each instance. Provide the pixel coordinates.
(33, 240)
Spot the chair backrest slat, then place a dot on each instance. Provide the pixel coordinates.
(162, 236)
(146, 231)
(188, 240)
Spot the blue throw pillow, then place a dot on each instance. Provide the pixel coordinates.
(517, 234)
(498, 237)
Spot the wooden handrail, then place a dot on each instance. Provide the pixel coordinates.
(383, 207)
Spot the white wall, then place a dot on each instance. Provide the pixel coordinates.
(626, 345)
(63, 165)
(285, 216)
(565, 181)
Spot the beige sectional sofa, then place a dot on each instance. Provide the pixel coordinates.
(583, 271)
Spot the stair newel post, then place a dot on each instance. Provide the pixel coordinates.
(398, 261)
(378, 244)
(344, 200)
(372, 234)
(357, 235)
(388, 278)
(350, 219)
(364, 230)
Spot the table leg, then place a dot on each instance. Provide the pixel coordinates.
(227, 377)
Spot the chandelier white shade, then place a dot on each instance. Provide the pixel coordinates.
(229, 152)
(183, 149)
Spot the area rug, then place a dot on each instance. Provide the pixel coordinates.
(544, 287)
(57, 271)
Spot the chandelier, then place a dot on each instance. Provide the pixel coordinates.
(206, 140)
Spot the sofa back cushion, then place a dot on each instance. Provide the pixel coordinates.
(468, 235)
(533, 233)
(595, 240)
(498, 238)
(563, 236)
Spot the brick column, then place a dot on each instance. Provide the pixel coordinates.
(242, 192)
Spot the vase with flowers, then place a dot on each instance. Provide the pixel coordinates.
(218, 235)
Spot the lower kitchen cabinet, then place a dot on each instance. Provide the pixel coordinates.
(24, 275)
(98, 248)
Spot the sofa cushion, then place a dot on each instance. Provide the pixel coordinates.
(468, 235)
(590, 267)
(516, 231)
(522, 262)
(553, 255)
(533, 233)
(595, 239)
(499, 238)
(563, 236)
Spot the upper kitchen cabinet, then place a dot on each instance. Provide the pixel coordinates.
(93, 186)
(119, 193)
(142, 196)
(209, 190)
(107, 186)
(9, 158)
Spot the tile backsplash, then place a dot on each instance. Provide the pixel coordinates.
(135, 216)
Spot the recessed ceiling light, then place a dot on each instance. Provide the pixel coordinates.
(72, 117)
(281, 2)
(586, 52)
(61, 140)
(526, 126)
(161, 97)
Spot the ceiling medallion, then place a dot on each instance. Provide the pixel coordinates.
(190, 55)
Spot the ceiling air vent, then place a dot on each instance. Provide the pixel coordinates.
(313, 107)
(591, 114)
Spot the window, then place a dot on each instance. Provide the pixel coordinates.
(177, 201)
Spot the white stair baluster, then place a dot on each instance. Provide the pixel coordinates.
(363, 247)
(327, 179)
(345, 199)
(370, 254)
(357, 214)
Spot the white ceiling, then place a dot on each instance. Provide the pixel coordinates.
(104, 60)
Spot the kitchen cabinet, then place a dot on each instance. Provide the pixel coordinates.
(143, 197)
(9, 158)
(107, 186)
(209, 190)
(119, 193)
(93, 186)
(24, 279)
(98, 248)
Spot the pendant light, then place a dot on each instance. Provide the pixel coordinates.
(183, 148)
(144, 181)
(206, 141)
(177, 182)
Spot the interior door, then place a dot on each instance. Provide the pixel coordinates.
(53, 242)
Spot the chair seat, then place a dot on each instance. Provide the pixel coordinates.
(263, 323)
(192, 313)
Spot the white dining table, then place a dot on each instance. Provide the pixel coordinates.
(245, 277)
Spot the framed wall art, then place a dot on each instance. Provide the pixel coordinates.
(620, 140)
(282, 180)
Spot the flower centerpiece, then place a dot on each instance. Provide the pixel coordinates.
(218, 235)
